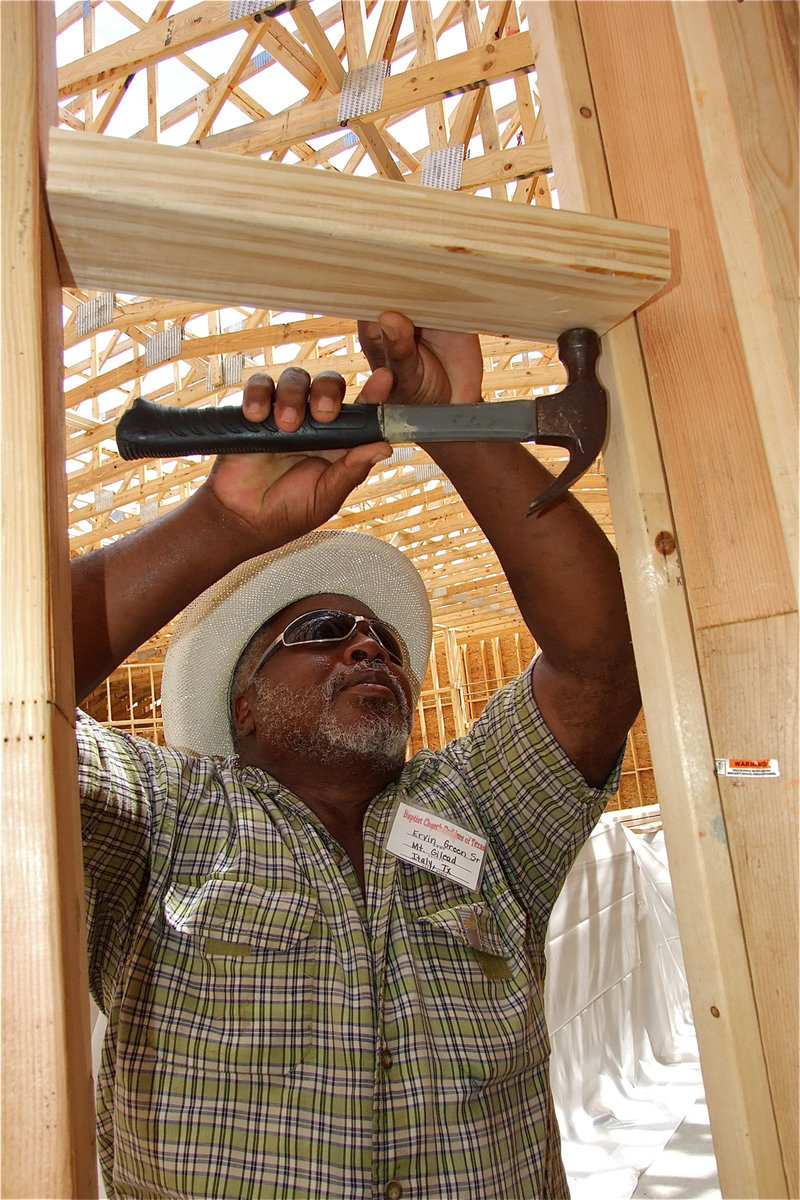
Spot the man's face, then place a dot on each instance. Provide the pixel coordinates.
(332, 702)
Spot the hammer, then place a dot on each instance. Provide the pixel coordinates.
(576, 418)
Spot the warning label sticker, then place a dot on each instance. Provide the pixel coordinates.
(764, 767)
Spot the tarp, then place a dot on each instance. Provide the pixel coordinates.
(625, 1069)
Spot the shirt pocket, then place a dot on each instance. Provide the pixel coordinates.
(237, 990)
(481, 990)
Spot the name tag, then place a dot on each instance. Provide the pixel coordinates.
(430, 841)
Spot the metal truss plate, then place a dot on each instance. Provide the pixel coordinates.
(232, 367)
(163, 346)
(250, 8)
(362, 91)
(94, 314)
(442, 168)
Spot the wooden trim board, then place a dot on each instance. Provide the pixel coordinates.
(166, 221)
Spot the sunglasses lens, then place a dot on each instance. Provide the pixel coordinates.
(319, 627)
(335, 627)
(387, 638)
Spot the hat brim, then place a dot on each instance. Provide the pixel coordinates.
(215, 628)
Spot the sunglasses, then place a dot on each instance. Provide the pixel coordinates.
(324, 626)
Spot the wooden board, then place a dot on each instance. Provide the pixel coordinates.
(750, 670)
(182, 222)
(48, 1114)
(626, 109)
(744, 91)
(732, 545)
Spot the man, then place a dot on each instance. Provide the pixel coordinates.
(323, 968)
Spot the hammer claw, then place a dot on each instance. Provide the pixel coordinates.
(577, 417)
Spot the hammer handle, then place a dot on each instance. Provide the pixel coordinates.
(149, 430)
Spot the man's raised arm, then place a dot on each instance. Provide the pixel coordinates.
(125, 592)
(562, 569)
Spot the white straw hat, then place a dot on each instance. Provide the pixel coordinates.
(215, 628)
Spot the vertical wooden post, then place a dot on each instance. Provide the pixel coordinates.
(48, 1116)
(715, 621)
(742, 71)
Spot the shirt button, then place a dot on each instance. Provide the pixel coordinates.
(394, 1190)
(337, 857)
(386, 1062)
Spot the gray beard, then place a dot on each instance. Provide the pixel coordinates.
(378, 738)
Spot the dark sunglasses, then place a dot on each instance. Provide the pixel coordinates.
(325, 625)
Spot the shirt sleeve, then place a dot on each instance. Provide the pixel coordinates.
(121, 805)
(531, 800)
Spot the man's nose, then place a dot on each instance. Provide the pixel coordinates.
(362, 644)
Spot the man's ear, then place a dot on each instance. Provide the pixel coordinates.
(243, 717)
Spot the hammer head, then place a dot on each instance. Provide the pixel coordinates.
(577, 417)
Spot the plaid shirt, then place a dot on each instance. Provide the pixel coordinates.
(272, 1032)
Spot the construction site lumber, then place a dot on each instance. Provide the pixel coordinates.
(181, 222)
(692, 493)
(47, 1105)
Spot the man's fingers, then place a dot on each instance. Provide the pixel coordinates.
(326, 395)
(338, 481)
(257, 398)
(291, 397)
(378, 388)
(371, 339)
(401, 350)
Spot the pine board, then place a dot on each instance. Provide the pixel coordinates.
(732, 543)
(642, 499)
(48, 1112)
(160, 220)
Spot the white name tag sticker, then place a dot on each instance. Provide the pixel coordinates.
(428, 840)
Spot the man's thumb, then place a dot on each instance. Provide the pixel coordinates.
(347, 473)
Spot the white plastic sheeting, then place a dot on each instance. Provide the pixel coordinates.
(625, 1070)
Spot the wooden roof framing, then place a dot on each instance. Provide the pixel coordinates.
(267, 85)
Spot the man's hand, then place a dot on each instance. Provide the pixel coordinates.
(428, 366)
(282, 496)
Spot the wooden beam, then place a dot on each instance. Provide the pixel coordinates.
(621, 125)
(164, 39)
(218, 92)
(134, 217)
(404, 92)
(517, 162)
(744, 94)
(48, 1114)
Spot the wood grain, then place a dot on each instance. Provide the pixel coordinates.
(732, 543)
(750, 671)
(48, 1114)
(712, 931)
(134, 217)
(744, 95)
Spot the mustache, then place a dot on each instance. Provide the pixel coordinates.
(344, 677)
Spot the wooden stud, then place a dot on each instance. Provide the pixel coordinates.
(632, 85)
(744, 94)
(48, 1115)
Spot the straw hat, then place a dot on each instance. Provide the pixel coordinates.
(215, 628)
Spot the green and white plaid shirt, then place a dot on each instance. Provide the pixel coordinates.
(273, 1033)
